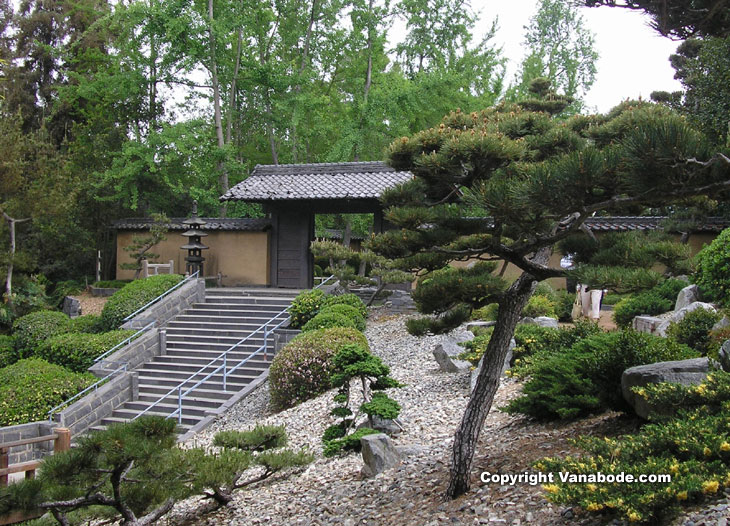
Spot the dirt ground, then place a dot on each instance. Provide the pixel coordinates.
(90, 304)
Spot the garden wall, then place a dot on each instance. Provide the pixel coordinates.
(169, 307)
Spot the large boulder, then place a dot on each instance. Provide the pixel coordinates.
(648, 324)
(505, 366)
(724, 323)
(378, 454)
(687, 296)
(446, 354)
(677, 316)
(685, 372)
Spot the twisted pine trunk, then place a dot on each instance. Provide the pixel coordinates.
(480, 402)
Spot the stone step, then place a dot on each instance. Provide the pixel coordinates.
(126, 415)
(203, 322)
(251, 344)
(159, 390)
(192, 400)
(249, 300)
(242, 310)
(168, 407)
(256, 363)
(241, 377)
(252, 366)
(181, 332)
(208, 319)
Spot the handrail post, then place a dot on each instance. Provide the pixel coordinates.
(266, 341)
(179, 405)
(225, 372)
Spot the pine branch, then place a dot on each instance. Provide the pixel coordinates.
(154, 515)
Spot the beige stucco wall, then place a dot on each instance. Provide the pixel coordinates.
(242, 257)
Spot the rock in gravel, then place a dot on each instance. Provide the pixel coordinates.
(378, 454)
(687, 296)
(505, 366)
(724, 356)
(446, 354)
(685, 372)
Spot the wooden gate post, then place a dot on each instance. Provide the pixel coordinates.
(3, 464)
(63, 441)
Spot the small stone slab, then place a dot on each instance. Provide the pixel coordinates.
(446, 354)
(685, 372)
(378, 454)
(541, 321)
(648, 324)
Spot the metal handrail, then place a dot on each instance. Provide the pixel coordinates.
(224, 365)
(158, 298)
(93, 386)
(123, 342)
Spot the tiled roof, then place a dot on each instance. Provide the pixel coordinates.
(334, 233)
(212, 223)
(626, 223)
(364, 180)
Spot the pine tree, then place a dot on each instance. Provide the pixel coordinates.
(509, 183)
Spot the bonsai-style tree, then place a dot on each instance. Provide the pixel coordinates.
(140, 247)
(131, 471)
(508, 183)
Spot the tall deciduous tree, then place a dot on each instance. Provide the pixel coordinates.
(537, 180)
(559, 48)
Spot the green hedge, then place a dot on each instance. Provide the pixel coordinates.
(694, 329)
(112, 284)
(325, 320)
(301, 370)
(347, 299)
(8, 354)
(350, 312)
(586, 377)
(90, 324)
(31, 330)
(76, 351)
(32, 387)
(713, 270)
(134, 296)
(305, 307)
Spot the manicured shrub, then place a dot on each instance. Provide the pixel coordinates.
(8, 353)
(586, 377)
(31, 330)
(76, 351)
(350, 312)
(301, 370)
(657, 300)
(439, 324)
(350, 442)
(694, 329)
(31, 387)
(89, 324)
(305, 307)
(693, 447)
(539, 306)
(713, 269)
(133, 296)
(325, 320)
(347, 299)
(112, 284)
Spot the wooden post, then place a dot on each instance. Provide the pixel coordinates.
(3, 464)
(145, 269)
(172, 267)
(63, 442)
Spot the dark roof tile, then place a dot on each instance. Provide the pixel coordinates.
(212, 223)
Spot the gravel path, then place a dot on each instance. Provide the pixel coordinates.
(331, 491)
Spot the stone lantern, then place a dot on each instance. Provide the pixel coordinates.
(194, 259)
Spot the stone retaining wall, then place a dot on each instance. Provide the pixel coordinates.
(98, 404)
(143, 349)
(169, 307)
(30, 451)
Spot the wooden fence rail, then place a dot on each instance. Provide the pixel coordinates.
(61, 438)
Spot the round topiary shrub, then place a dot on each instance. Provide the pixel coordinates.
(348, 311)
(30, 388)
(347, 299)
(713, 269)
(325, 320)
(76, 351)
(302, 369)
(134, 296)
(305, 307)
(8, 354)
(31, 330)
(89, 324)
(694, 329)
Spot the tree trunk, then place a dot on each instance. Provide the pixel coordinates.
(480, 402)
(9, 276)
(222, 172)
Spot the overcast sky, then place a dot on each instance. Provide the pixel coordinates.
(633, 57)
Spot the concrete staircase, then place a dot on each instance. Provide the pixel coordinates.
(194, 339)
